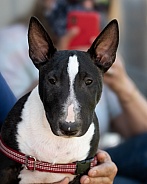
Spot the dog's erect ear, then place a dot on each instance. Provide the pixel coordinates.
(103, 50)
(41, 47)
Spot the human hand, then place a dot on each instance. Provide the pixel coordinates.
(118, 80)
(66, 39)
(104, 173)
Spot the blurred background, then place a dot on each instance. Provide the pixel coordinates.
(132, 17)
(12, 9)
(22, 76)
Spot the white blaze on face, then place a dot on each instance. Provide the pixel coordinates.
(72, 69)
(70, 115)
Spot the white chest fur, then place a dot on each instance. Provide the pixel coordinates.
(36, 138)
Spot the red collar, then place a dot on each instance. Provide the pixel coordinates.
(31, 163)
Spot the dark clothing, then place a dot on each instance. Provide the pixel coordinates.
(124, 180)
(7, 99)
(131, 159)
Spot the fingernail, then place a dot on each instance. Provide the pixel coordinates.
(86, 181)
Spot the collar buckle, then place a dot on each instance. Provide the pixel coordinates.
(82, 167)
(30, 158)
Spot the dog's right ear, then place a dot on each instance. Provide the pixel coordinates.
(41, 47)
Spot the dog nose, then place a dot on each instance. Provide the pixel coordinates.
(69, 128)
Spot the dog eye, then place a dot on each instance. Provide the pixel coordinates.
(52, 81)
(88, 82)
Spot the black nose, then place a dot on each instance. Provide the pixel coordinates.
(69, 128)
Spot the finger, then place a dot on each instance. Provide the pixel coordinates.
(88, 180)
(84, 179)
(103, 156)
(105, 168)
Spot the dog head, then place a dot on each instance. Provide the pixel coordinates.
(70, 82)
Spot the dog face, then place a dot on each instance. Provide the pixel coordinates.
(70, 82)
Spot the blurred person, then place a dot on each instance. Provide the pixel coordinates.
(58, 18)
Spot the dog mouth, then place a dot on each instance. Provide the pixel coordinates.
(68, 134)
(71, 129)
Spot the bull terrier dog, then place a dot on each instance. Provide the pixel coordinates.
(52, 132)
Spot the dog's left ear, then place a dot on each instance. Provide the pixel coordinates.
(103, 50)
(41, 47)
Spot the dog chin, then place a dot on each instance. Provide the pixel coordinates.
(67, 135)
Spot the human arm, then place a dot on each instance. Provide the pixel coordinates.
(133, 120)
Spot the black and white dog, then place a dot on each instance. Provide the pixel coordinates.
(52, 132)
